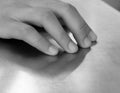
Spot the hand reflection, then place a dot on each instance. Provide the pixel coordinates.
(33, 61)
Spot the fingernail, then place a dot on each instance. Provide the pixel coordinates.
(53, 50)
(87, 42)
(93, 36)
(73, 47)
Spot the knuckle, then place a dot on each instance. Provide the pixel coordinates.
(47, 15)
(63, 36)
(31, 34)
(26, 31)
(68, 7)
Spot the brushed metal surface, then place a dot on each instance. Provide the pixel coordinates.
(96, 70)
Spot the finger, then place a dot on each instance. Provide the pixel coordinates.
(52, 25)
(31, 36)
(54, 28)
(75, 22)
(49, 21)
(92, 36)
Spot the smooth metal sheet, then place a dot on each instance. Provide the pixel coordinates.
(114, 3)
(23, 69)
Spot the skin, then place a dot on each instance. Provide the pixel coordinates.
(14, 14)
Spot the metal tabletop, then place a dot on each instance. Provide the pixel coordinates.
(24, 69)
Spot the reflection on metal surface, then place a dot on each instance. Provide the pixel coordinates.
(30, 59)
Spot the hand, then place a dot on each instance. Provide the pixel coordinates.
(15, 13)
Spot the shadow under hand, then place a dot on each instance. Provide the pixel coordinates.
(31, 60)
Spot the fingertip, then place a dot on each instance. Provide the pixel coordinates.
(87, 43)
(72, 47)
(92, 36)
(53, 50)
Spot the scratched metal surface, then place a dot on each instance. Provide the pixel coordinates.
(96, 70)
